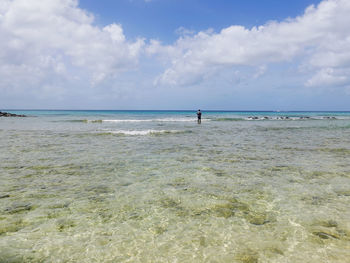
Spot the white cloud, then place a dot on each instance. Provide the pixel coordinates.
(53, 50)
(182, 31)
(320, 38)
(43, 43)
(329, 77)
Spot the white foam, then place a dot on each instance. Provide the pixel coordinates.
(143, 132)
(126, 120)
(293, 118)
(343, 117)
(154, 120)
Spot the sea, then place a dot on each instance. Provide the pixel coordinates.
(156, 186)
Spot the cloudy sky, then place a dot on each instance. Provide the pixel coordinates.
(175, 54)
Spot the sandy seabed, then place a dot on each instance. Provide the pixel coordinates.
(224, 191)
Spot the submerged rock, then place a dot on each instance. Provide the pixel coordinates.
(18, 207)
(329, 223)
(158, 230)
(325, 235)
(64, 223)
(168, 202)
(343, 192)
(99, 189)
(223, 210)
(229, 208)
(329, 229)
(175, 206)
(257, 218)
(247, 257)
(11, 226)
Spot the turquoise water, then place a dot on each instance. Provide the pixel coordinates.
(154, 186)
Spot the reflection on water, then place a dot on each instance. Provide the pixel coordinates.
(222, 191)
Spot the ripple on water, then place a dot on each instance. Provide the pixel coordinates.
(227, 191)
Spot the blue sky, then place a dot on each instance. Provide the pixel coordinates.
(175, 54)
(160, 19)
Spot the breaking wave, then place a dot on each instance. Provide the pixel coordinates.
(219, 119)
(138, 120)
(284, 118)
(154, 120)
(142, 132)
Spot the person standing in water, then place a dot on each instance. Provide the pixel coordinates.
(199, 116)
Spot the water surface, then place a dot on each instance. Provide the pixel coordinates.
(136, 186)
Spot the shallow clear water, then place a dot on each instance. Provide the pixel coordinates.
(106, 186)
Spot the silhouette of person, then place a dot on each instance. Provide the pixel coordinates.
(199, 116)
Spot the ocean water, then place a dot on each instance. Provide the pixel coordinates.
(155, 186)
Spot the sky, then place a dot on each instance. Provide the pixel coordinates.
(175, 54)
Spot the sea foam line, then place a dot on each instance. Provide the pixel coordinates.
(137, 120)
(294, 118)
(143, 132)
(154, 120)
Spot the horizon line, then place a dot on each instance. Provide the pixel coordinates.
(179, 110)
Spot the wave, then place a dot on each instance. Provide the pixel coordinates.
(142, 132)
(154, 120)
(219, 119)
(85, 121)
(138, 120)
(284, 118)
(229, 119)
